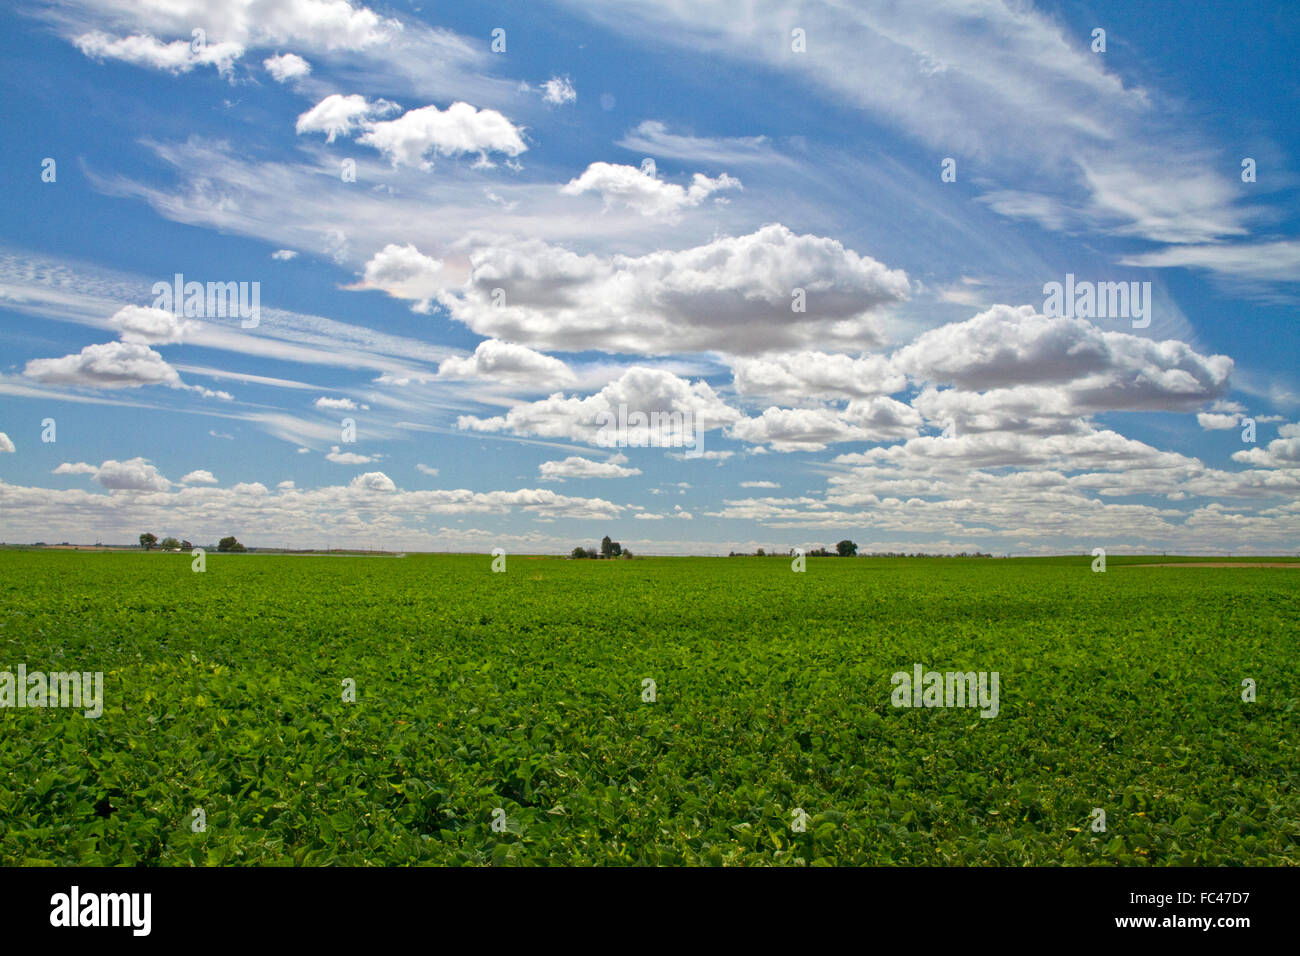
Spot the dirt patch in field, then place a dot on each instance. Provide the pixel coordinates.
(1220, 564)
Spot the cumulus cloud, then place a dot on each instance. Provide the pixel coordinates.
(179, 56)
(1222, 416)
(759, 484)
(338, 115)
(578, 467)
(359, 511)
(6, 444)
(1099, 449)
(427, 470)
(75, 468)
(199, 477)
(673, 409)
(404, 273)
(1283, 452)
(812, 429)
(733, 294)
(149, 326)
(284, 255)
(373, 481)
(1006, 347)
(505, 362)
(459, 129)
(111, 365)
(286, 66)
(348, 457)
(800, 376)
(637, 189)
(135, 474)
(1031, 409)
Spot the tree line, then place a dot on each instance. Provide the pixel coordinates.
(149, 541)
(608, 549)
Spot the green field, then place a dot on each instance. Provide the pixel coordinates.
(223, 691)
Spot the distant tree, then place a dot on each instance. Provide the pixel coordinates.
(170, 544)
(579, 552)
(610, 549)
(847, 549)
(627, 553)
(186, 546)
(230, 544)
(148, 540)
(761, 553)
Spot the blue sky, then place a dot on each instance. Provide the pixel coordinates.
(734, 221)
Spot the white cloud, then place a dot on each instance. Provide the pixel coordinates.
(77, 468)
(348, 457)
(111, 365)
(286, 66)
(199, 477)
(345, 404)
(652, 392)
(558, 90)
(1269, 261)
(404, 273)
(577, 467)
(324, 25)
(457, 130)
(712, 455)
(1005, 347)
(759, 484)
(373, 481)
(135, 474)
(427, 470)
(733, 294)
(648, 195)
(179, 56)
(653, 138)
(800, 376)
(284, 255)
(6, 443)
(1014, 89)
(1221, 416)
(1283, 452)
(149, 326)
(513, 364)
(812, 429)
(366, 509)
(1087, 449)
(339, 115)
